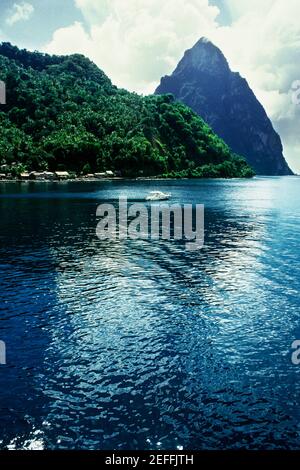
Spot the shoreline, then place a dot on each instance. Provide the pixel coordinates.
(86, 180)
(122, 178)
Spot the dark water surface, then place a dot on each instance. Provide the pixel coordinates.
(142, 344)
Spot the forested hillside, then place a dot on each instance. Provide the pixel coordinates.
(63, 113)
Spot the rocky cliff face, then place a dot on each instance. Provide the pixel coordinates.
(204, 81)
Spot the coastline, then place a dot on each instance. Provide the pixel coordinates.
(122, 178)
(85, 180)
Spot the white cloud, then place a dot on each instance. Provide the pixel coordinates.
(136, 42)
(20, 12)
(70, 40)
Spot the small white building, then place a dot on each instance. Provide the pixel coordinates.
(48, 175)
(62, 175)
(109, 173)
(36, 175)
(24, 176)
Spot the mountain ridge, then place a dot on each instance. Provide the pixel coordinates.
(204, 81)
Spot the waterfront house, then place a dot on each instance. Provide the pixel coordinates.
(62, 175)
(36, 175)
(24, 176)
(48, 175)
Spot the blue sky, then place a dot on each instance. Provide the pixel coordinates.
(37, 30)
(136, 42)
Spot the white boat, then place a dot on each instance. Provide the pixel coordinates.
(157, 196)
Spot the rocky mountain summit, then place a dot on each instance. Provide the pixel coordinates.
(203, 81)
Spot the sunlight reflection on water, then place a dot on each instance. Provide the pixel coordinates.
(141, 344)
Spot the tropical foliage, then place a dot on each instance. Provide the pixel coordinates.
(64, 113)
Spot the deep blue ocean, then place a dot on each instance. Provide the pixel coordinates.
(141, 344)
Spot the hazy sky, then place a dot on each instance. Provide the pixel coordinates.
(136, 42)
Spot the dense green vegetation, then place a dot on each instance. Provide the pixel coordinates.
(64, 113)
